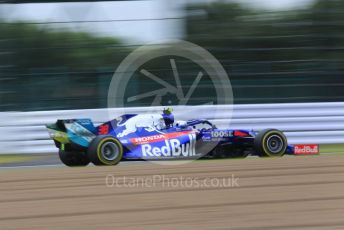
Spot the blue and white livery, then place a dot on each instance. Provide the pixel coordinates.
(158, 137)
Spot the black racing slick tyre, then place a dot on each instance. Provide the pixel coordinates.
(105, 150)
(73, 159)
(270, 143)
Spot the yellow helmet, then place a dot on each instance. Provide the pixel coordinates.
(167, 111)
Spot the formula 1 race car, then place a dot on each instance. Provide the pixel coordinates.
(157, 136)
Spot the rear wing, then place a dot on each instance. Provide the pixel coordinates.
(72, 131)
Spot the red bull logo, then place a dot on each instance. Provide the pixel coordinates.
(302, 149)
(171, 148)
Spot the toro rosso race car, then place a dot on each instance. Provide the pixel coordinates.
(158, 136)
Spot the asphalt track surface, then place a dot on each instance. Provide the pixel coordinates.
(286, 193)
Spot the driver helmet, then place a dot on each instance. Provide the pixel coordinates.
(168, 117)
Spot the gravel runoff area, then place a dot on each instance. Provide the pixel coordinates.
(304, 192)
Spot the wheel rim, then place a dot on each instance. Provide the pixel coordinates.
(275, 144)
(110, 151)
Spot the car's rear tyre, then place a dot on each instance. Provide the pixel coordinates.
(73, 159)
(105, 150)
(270, 143)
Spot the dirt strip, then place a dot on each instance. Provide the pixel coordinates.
(285, 193)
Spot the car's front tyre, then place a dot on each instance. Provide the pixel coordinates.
(270, 143)
(105, 150)
(73, 159)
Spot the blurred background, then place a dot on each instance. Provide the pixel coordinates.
(62, 55)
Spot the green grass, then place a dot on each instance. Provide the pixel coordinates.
(17, 158)
(9, 158)
(332, 148)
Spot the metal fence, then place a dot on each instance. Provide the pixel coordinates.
(323, 123)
